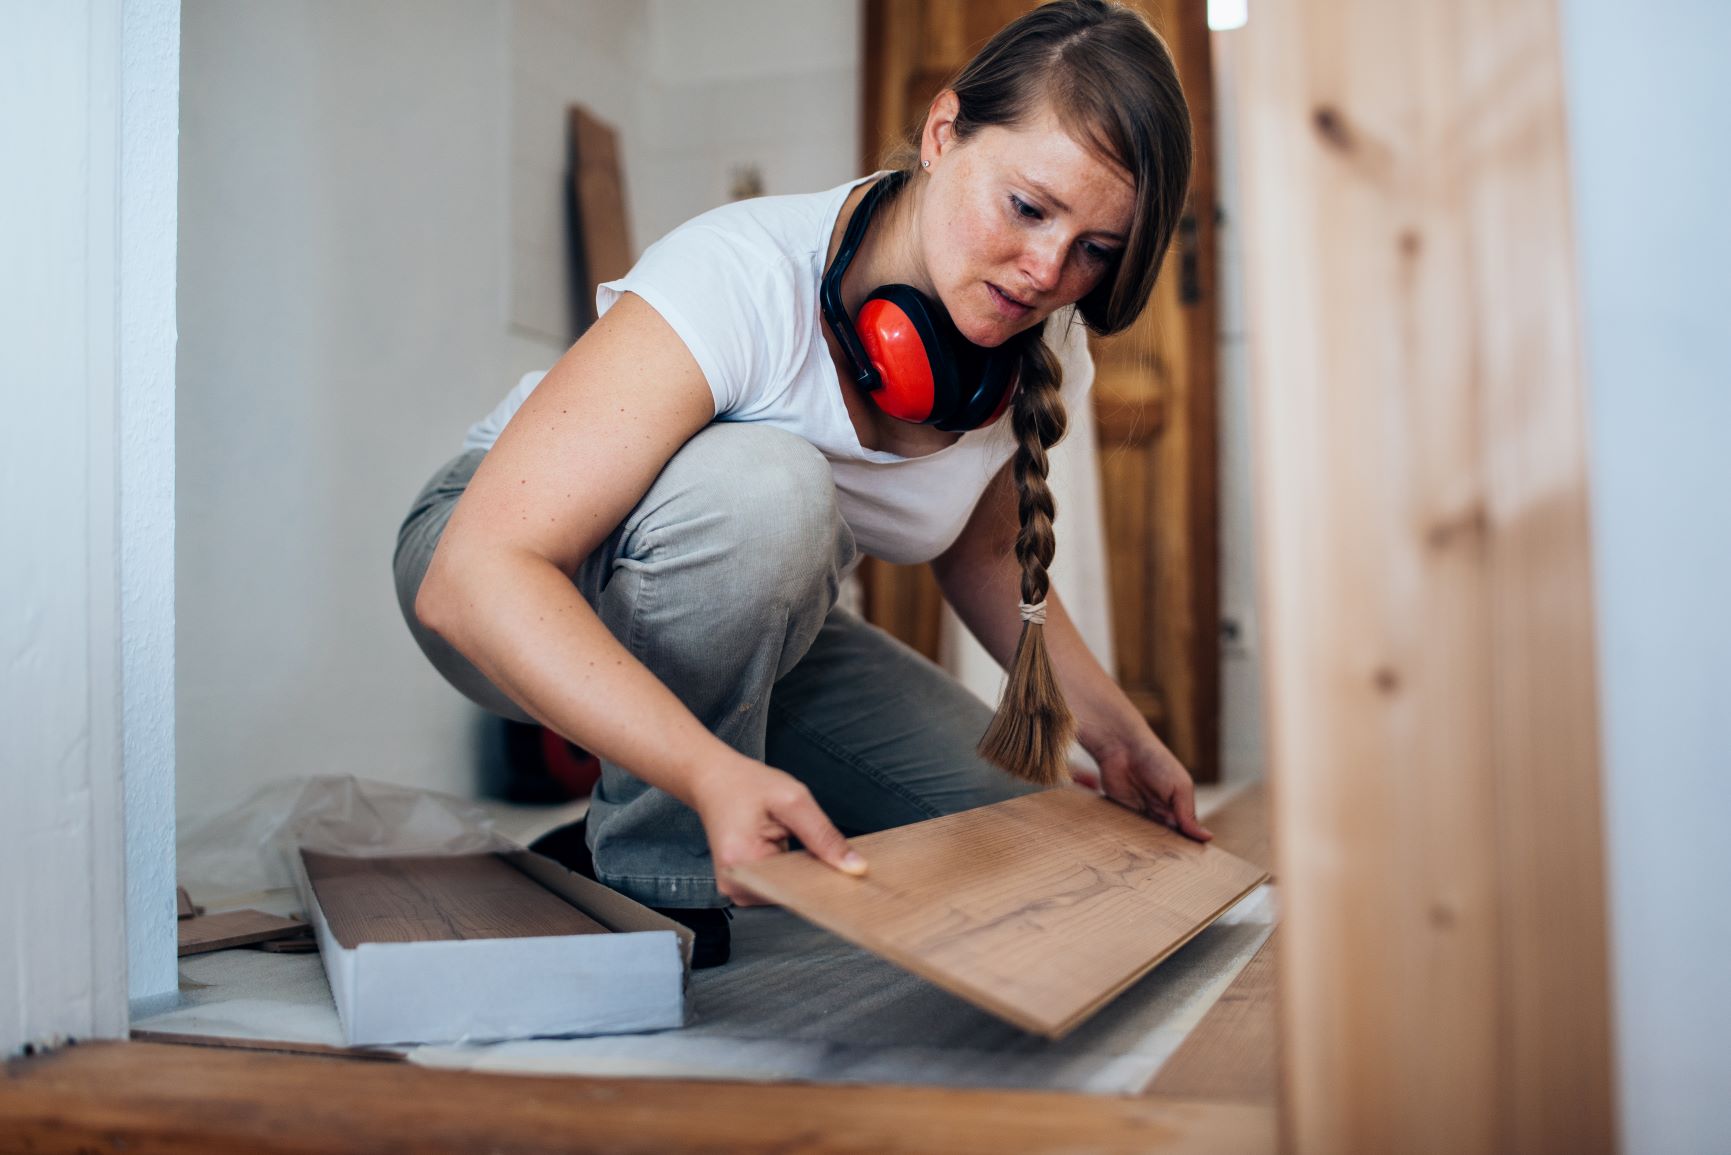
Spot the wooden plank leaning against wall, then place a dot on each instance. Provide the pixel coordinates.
(1426, 577)
(1153, 398)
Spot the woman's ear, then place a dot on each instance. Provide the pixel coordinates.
(940, 131)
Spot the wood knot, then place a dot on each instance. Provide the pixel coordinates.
(1472, 523)
(1332, 127)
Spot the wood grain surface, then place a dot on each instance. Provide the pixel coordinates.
(437, 898)
(1232, 1054)
(208, 932)
(1426, 568)
(157, 1099)
(1040, 909)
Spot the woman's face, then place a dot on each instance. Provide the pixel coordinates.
(1016, 222)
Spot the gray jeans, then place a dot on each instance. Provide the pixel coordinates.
(723, 582)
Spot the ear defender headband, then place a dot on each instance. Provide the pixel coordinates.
(906, 352)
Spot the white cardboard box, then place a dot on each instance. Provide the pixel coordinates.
(484, 990)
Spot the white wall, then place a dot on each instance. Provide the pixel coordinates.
(1648, 93)
(559, 54)
(351, 177)
(143, 435)
(697, 89)
(341, 312)
(769, 83)
(87, 122)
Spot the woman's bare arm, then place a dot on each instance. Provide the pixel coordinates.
(570, 466)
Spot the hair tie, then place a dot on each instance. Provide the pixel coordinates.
(1034, 614)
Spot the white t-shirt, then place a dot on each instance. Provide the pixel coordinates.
(739, 284)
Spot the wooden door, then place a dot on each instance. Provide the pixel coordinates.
(1154, 392)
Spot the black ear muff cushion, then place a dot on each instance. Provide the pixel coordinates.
(997, 379)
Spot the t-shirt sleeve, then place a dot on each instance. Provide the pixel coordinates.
(730, 305)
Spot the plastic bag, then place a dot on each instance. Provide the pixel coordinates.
(251, 847)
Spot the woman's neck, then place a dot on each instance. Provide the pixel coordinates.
(887, 256)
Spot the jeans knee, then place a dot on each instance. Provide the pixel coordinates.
(793, 527)
(769, 498)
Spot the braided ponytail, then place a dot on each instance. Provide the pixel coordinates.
(1030, 734)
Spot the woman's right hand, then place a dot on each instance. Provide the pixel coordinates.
(750, 810)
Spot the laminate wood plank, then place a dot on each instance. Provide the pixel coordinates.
(232, 928)
(603, 231)
(1243, 826)
(156, 1100)
(1233, 1053)
(1426, 571)
(1040, 909)
(427, 899)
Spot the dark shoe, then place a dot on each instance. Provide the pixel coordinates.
(713, 942)
(569, 847)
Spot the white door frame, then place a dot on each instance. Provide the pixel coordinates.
(89, 97)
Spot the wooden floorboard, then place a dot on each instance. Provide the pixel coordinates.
(1233, 1052)
(148, 1099)
(1243, 826)
(1040, 909)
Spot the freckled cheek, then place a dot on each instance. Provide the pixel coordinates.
(996, 255)
(1080, 283)
(967, 257)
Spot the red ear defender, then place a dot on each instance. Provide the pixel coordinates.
(897, 352)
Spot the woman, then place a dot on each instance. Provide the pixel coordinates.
(649, 539)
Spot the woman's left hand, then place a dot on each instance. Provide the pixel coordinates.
(1141, 773)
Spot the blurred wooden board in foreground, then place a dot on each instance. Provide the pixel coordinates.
(1039, 910)
(99, 1096)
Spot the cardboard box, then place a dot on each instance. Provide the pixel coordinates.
(484, 990)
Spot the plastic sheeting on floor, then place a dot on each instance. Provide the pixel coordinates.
(795, 1003)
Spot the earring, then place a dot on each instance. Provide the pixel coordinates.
(925, 164)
